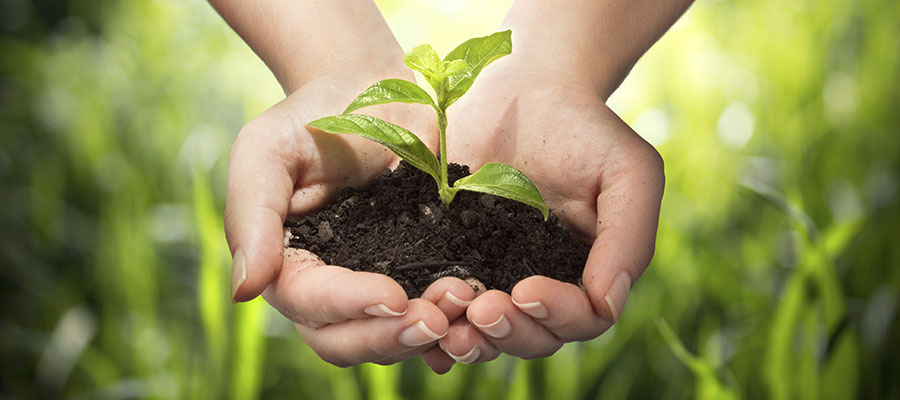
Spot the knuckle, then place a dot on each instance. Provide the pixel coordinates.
(259, 125)
(416, 313)
(534, 349)
(536, 355)
(327, 355)
(489, 356)
(312, 324)
(247, 135)
(337, 362)
(653, 162)
(546, 352)
(650, 156)
(651, 251)
(385, 287)
(230, 222)
(277, 138)
(595, 330)
(388, 361)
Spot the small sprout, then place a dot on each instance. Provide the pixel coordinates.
(450, 78)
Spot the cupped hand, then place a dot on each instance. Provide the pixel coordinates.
(597, 175)
(278, 167)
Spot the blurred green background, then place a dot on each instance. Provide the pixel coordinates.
(774, 277)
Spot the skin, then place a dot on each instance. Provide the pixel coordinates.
(541, 109)
(602, 180)
(278, 167)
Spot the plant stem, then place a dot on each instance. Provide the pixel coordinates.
(442, 126)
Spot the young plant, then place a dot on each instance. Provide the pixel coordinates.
(450, 78)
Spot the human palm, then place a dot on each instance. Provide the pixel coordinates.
(278, 167)
(599, 177)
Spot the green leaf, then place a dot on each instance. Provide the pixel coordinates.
(401, 141)
(455, 67)
(424, 59)
(449, 71)
(390, 90)
(504, 181)
(456, 87)
(477, 53)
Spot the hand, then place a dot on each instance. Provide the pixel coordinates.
(278, 167)
(600, 178)
(323, 54)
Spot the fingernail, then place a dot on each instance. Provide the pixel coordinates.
(496, 329)
(467, 358)
(381, 310)
(238, 273)
(535, 309)
(456, 300)
(618, 293)
(418, 334)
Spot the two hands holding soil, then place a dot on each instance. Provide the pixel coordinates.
(541, 109)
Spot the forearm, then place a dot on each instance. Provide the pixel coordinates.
(598, 40)
(301, 40)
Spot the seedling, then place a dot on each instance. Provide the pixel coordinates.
(450, 78)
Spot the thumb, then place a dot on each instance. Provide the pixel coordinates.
(628, 215)
(262, 171)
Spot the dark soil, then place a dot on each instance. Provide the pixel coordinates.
(398, 227)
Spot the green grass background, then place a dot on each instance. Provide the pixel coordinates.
(774, 277)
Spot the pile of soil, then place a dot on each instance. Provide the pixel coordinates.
(397, 226)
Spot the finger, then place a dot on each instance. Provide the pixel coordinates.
(508, 329)
(465, 344)
(451, 295)
(324, 294)
(379, 340)
(261, 179)
(628, 215)
(436, 359)
(563, 308)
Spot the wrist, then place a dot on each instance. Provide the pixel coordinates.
(305, 40)
(358, 69)
(597, 68)
(598, 42)
(532, 65)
